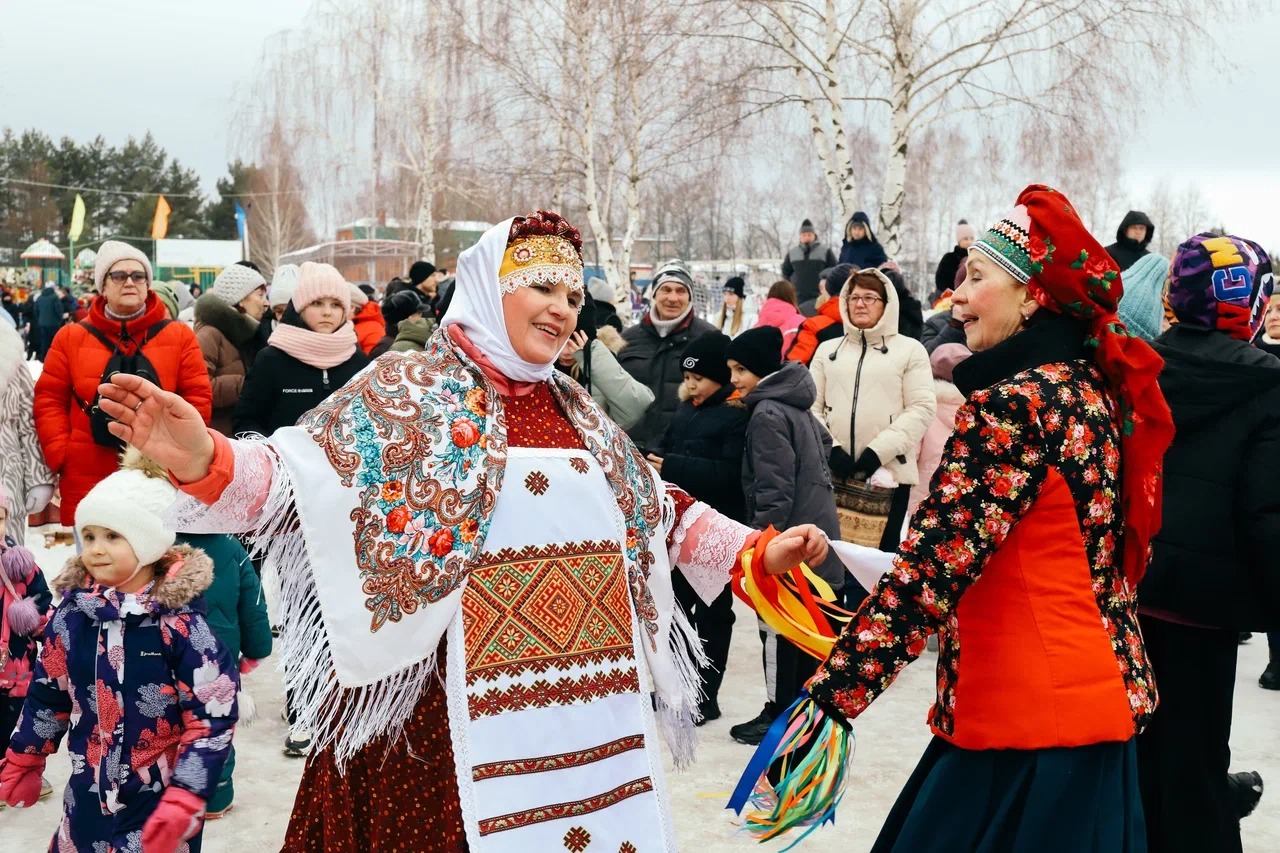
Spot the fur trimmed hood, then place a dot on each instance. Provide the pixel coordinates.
(170, 593)
(946, 392)
(611, 338)
(234, 326)
(12, 354)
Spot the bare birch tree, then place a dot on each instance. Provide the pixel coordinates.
(917, 63)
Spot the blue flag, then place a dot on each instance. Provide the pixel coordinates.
(241, 221)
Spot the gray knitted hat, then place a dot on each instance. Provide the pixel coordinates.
(236, 282)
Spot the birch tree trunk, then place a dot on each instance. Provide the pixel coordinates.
(894, 192)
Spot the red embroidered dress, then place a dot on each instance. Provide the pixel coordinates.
(544, 700)
(1014, 559)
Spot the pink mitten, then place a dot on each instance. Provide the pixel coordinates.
(177, 818)
(20, 779)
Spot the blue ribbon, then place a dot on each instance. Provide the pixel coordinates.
(763, 757)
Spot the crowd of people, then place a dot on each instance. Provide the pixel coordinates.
(1070, 447)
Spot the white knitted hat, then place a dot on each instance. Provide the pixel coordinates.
(235, 282)
(111, 253)
(283, 281)
(133, 505)
(358, 297)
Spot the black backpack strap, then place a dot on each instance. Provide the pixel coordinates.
(152, 332)
(97, 333)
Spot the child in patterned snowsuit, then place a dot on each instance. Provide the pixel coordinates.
(132, 670)
(24, 603)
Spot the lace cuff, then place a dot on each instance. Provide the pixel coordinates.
(255, 472)
(705, 546)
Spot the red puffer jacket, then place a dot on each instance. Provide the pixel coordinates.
(76, 361)
(370, 326)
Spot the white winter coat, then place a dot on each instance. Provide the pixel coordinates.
(22, 467)
(878, 385)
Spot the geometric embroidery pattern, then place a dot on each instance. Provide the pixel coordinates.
(579, 464)
(537, 482)
(627, 847)
(563, 761)
(577, 839)
(560, 811)
(544, 694)
(539, 608)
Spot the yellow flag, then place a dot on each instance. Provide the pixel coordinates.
(160, 225)
(77, 220)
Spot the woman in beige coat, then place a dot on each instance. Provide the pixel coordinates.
(875, 392)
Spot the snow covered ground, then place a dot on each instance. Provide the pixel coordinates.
(890, 738)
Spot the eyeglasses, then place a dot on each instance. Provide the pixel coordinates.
(865, 300)
(120, 277)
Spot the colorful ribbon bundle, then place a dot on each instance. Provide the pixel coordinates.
(808, 751)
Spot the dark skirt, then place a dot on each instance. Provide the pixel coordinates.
(1078, 799)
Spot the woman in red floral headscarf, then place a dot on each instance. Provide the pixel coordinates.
(1025, 559)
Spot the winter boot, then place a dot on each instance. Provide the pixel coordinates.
(1246, 791)
(753, 731)
(708, 710)
(1270, 679)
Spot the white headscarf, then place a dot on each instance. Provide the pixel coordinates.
(477, 307)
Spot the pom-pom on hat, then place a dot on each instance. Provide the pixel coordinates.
(320, 281)
(1221, 282)
(133, 504)
(706, 356)
(111, 253)
(758, 350)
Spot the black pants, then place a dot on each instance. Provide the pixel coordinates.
(1185, 753)
(10, 709)
(714, 624)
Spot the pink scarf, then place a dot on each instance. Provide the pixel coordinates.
(314, 348)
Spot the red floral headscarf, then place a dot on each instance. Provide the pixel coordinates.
(1044, 244)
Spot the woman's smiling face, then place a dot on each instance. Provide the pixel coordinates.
(540, 318)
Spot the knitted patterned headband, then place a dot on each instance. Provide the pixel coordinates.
(1009, 244)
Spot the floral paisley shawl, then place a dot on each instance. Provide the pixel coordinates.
(424, 439)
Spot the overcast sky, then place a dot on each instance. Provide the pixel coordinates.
(173, 66)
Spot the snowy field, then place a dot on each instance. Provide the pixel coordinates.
(891, 737)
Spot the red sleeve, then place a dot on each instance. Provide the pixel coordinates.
(805, 345)
(53, 402)
(222, 471)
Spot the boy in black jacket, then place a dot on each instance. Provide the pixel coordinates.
(703, 456)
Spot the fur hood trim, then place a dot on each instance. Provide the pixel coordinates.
(12, 354)
(611, 338)
(947, 392)
(171, 593)
(234, 326)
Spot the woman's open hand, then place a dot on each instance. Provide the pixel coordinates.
(160, 424)
(803, 544)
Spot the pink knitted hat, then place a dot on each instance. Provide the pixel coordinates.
(318, 281)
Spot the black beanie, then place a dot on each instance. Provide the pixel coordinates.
(758, 350)
(397, 307)
(421, 271)
(736, 285)
(833, 279)
(806, 227)
(705, 356)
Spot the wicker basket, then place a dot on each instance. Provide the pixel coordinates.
(863, 511)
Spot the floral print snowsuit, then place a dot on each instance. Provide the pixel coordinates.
(147, 694)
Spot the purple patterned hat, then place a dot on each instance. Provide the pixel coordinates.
(1221, 282)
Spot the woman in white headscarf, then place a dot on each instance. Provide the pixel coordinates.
(476, 571)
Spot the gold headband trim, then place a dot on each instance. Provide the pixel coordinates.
(544, 259)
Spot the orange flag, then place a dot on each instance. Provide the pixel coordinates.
(160, 225)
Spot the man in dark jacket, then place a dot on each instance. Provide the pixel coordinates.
(787, 481)
(50, 314)
(654, 345)
(805, 262)
(1213, 572)
(944, 278)
(1132, 238)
